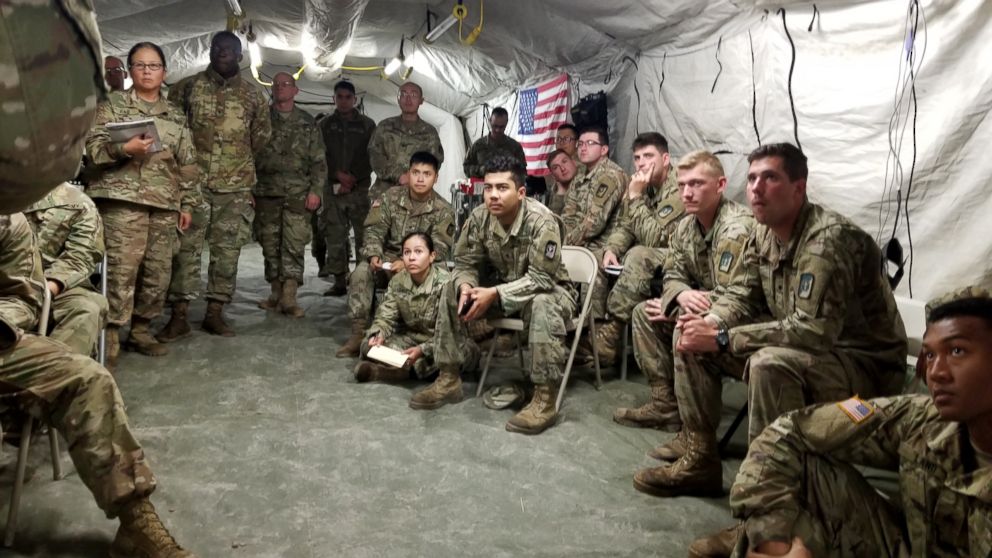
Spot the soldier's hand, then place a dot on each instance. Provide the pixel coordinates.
(312, 203)
(655, 311)
(346, 180)
(375, 263)
(609, 258)
(376, 340)
(693, 301)
(483, 298)
(138, 146)
(639, 182)
(404, 179)
(54, 288)
(251, 201)
(698, 334)
(398, 266)
(185, 220)
(413, 354)
(774, 548)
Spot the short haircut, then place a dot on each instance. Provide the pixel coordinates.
(505, 163)
(701, 157)
(650, 138)
(425, 158)
(500, 111)
(553, 154)
(420, 89)
(975, 307)
(567, 126)
(225, 35)
(419, 234)
(604, 137)
(346, 85)
(793, 159)
(145, 44)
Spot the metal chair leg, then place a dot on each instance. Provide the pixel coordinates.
(15, 496)
(725, 440)
(595, 352)
(53, 445)
(623, 351)
(520, 353)
(485, 368)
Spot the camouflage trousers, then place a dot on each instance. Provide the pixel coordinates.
(362, 285)
(842, 515)
(224, 221)
(80, 399)
(653, 347)
(339, 214)
(78, 316)
(140, 242)
(544, 320)
(282, 227)
(425, 366)
(633, 286)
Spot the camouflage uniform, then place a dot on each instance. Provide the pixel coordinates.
(393, 217)
(487, 147)
(393, 143)
(347, 143)
(556, 202)
(524, 264)
(230, 122)
(51, 78)
(70, 239)
(290, 166)
(799, 480)
(140, 201)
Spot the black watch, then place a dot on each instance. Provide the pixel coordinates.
(723, 339)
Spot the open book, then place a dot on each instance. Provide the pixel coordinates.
(388, 356)
(121, 132)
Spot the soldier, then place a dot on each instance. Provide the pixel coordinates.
(69, 233)
(79, 398)
(496, 143)
(507, 263)
(291, 175)
(396, 138)
(230, 121)
(703, 257)
(799, 481)
(346, 198)
(114, 73)
(650, 212)
(563, 170)
(834, 329)
(566, 138)
(400, 211)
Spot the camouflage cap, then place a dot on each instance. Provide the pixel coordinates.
(974, 291)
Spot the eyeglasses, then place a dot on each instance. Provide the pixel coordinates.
(139, 66)
(564, 139)
(117, 70)
(408, 95)
(587, 143)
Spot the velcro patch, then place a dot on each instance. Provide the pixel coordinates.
(550, 249)
(601, 191)
(726, 260)
(806, 281)
(856, 409)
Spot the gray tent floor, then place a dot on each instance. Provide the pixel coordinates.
(264, 446)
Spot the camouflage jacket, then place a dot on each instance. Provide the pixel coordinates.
(594, 200)
(230, 123)
(411, 309)
(706, 261)
(395, 215)
(69, 233)
(394, 141)
(347, 143)
(485, 148)
(947, 503)
(649, 219)
(556, 201)
(22, 282)
(169, 179)
(824, 291)
(525, 259)
(292, 164)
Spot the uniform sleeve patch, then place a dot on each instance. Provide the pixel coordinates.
(856, 409)
(667, 210)
(601, 191)
(550, 249)
(726, 260)
(806, 281)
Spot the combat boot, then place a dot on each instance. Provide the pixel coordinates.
(368, 371)
(272, 302)
(697, 473)
(213, 321)
(178, 325)
(718, 545)
(353, 344)
(539, 414)
(607, 339)
(287, 303)
(340, 286)
(671, 450)
(141, 340)
(662, 412)
(142, 534)
(112, 346)
(447, 388)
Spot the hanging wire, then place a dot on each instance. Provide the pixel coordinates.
(792, 70)
(754, 91)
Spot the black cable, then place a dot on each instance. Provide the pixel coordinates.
(792, 69)
(637, 94)
(662, 82)
(816, 13)
(754, 92)
(912, 165)
(719, 43)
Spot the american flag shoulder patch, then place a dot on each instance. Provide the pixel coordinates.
(856, 409)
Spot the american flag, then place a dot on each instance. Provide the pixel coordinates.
(543, 108)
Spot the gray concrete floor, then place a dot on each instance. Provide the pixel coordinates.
(264, 446)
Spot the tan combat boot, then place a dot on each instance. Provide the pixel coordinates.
(718, 545)
(178, 325)
(697, 473)
(213, 321)
(368, 371)
(272, 302)
(662, 412)
(671, 450)
(539, 414)
(353, 344)
(142, 534)
(141, 339)
(287, 303)
(447, 388)
(112, 346)
(607, 341)
(340, 286)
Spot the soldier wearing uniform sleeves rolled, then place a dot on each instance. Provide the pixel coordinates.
(496, 143)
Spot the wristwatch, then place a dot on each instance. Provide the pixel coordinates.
(723, 339)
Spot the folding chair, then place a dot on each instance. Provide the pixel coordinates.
(22, 452)
(101, 352)
(581, 266)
